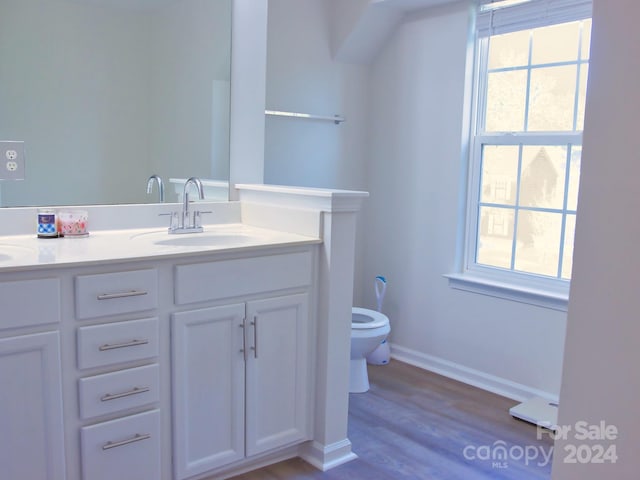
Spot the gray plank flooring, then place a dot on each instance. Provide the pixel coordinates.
(414, 424)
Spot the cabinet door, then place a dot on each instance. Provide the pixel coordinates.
(207, 388)
(277, 372)
(32, 438)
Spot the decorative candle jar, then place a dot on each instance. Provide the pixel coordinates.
(47, 223)
(73, 223)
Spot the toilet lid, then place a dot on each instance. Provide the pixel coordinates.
(363, 318)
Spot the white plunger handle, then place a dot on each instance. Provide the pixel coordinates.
(380, 284)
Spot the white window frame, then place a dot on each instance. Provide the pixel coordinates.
(519, 286)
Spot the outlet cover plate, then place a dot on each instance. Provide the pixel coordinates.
(12, 160)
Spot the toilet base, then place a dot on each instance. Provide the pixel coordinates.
(358, 376)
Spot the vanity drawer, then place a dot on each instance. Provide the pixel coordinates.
(112, 343)
(114, 293)
(124, 449)
(116, 391)
(29, 302)
(231, 278)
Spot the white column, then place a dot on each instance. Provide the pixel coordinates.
(337, 215)
(331, 447)
(248, 90)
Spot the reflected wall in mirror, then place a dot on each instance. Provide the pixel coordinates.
(105, 93)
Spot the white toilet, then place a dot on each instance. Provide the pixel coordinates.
(368, 329)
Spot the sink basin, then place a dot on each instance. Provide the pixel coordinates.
(11, 252)
(204, 239)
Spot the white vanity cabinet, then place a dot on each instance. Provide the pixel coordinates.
(31, 415)
(178, 367)
(241, 381)
(137, 355)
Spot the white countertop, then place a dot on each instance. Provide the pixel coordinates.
(22, 252)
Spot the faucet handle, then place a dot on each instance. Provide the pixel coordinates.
(197, 220)
(174, 224)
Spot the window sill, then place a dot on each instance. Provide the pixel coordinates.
(556, 300)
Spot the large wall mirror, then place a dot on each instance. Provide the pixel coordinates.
(105, 93)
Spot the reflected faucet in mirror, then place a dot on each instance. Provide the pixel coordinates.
(155, 178)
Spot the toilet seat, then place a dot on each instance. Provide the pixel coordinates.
(365, 319)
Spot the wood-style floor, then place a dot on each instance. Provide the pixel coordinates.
(414, 424)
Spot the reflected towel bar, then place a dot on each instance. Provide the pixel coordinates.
(337, 119)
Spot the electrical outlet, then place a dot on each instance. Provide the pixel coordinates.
(12, 160)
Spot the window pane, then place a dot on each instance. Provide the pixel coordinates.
(538, 242)
(556, 43)
(509, 50)
(542, 176)
(586, 39)
(552, 98)
(574, 178)
(495, 237)
(533, 88)
(567, 256)
(506, 92)
(582, 96)
(499, 174)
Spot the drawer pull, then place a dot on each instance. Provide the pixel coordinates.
(255, 336)
(111, 296)
(136, 438)
(113, 396)
(113, 346)
(244, 340)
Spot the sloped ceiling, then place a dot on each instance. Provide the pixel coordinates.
(359, 28)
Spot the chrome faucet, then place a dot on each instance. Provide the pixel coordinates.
(185, 194)
(156, 178)
(185, 221)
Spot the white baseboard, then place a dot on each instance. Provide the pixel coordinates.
(326, 457)
(470, 376)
